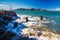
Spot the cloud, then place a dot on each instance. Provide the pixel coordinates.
(7, 6)
(54, 9)
(2, 5)
(57, 9)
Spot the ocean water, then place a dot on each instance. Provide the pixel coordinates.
(55, 16)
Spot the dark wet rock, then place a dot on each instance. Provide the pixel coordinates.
(15, 24)
(33, 38)
(24, 38)
(7, 36)
(26, 19)
(20, 37)
(2, 31)
(39, 33)
(22, 25)
(5, 18)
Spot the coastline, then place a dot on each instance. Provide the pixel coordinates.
(45, 31)
(34, 27)
(35, 18)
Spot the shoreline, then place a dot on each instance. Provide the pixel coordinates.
(37, 18)
(32, 26)
(32, 29)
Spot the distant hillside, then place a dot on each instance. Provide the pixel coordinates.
(31, 9)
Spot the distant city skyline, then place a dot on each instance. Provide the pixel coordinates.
(44, 4)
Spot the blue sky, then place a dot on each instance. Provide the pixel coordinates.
(44, 4)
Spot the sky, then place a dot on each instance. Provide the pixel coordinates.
(44, 4)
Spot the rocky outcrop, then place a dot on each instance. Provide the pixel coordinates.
(10, 13)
